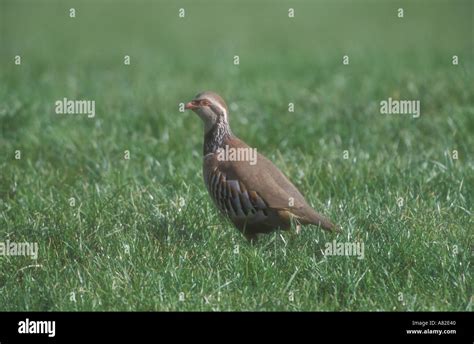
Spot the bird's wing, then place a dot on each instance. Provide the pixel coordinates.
(270, 184)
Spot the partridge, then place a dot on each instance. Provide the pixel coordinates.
(254, 194)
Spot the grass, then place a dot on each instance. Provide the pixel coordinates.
(142, 233)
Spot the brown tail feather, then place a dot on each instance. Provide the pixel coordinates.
(321, 221)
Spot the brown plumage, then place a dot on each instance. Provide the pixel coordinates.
(257, 198)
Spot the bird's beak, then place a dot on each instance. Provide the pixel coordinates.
(190, 106)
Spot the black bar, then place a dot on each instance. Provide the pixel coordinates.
(350, 327)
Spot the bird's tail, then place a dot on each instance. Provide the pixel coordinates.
(321, 221)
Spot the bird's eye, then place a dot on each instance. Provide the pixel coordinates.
(205, 102)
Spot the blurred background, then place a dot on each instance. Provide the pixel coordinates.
(136, 203)
(282, 60)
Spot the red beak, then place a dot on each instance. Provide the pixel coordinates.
(190, 106)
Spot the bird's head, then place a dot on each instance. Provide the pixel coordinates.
(210, 107)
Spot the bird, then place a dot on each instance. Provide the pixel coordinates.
(257, 197)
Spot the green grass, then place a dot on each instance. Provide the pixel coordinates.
(144, 230)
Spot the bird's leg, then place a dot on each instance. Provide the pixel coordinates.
(252, 238)
(294, 222)
(298, 228)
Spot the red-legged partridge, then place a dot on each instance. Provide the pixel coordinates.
(255, 195)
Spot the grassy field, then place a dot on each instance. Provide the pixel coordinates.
(142, 233)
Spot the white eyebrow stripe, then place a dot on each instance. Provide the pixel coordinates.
(223, 110)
